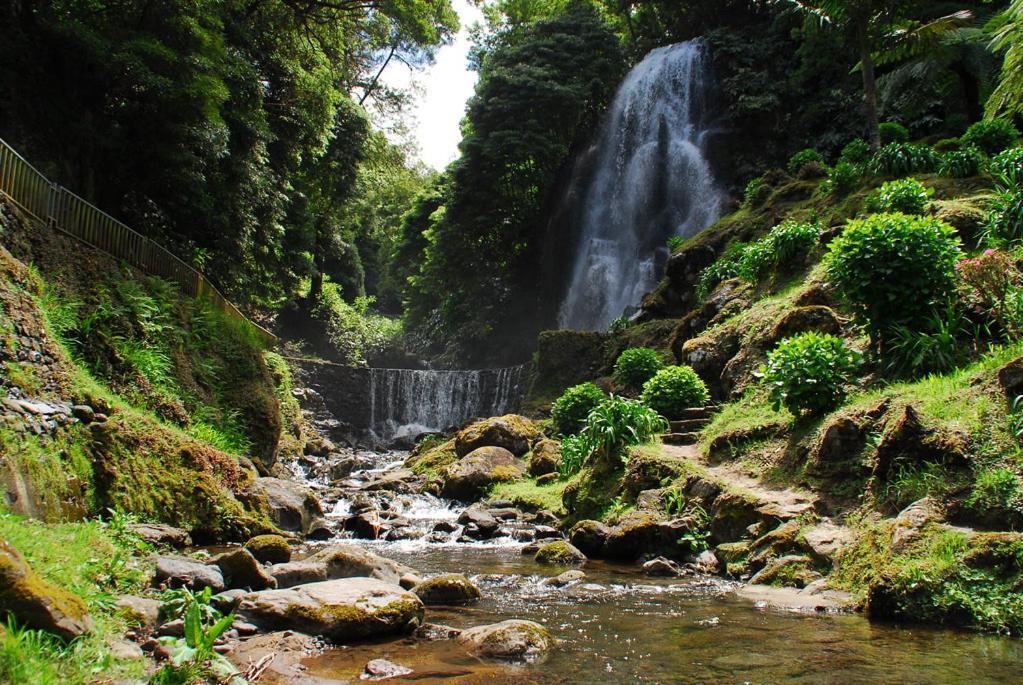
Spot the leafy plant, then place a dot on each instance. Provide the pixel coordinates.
(802, 158)
(1005, 216)
(784, 244)
(757, 260)
(637, 365)
(569, 411)
(574, 452)
(991, 135)
(809, 372)
(900, 159)
(193, 655)
(996, 488)
(675, 242)
(674, 389)
(934, 348)
(990, 285)
(856, 152)
(842, 178)
(618, 423)
(619, 325)
(964, 163)
(894, 268)
(753, 193)
(1007, 167)
(175, 604)
(892, 132)
(905, 195)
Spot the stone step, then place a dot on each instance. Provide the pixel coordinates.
(690, 438)
(698, 413)
(688, 425)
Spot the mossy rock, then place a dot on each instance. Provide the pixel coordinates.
(432, 461)
(270, 549)
(513, 640)
(447, 589)
(36, 603)
(512, 432)
(545, 457)
(589, 537)
(560, 553)
(733, 552)
(471, 477)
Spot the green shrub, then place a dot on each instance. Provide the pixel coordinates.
(991, 135)
(900, 159)
(726, 267)
(674, 389)
(809, 372)
(842, 178)
(892, 132)
(856, 152)
(995, 488)
(574, 451)
(569, 411)
(1007, 167)
(964, 163)
(619, 325)
(754, 192)
(614, 425)
(933, 346)
(675, 242)
(802, 158)
(637, 365)
(894, 268)
(1005, 216)
(757, 260)
(906, 195)
(786, 242)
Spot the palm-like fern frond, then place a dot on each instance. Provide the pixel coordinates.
(1008, 36)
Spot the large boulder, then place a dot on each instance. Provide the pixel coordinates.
(560, 553)
(241, 570)
(349, 561)
(512, 432)
(340, 610)
(269, 549)
(450, 588)
(162, 534)
(175, 572)
(292, 573)
(513, 640)
(589, 537)
(545, 457)
(36, 603)
(290, 506)
(472, 476)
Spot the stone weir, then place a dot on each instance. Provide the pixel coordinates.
(389, 407)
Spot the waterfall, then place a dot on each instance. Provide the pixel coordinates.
(407, 402)
(651, 181)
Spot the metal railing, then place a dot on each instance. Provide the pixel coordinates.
(54, 204)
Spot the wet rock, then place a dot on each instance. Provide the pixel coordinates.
(241, 570)
(382, 669)
(546, 533)
(564, 579)
(162, 534)
(269, 549)
(291, 506)
(706, 562)
(283, 652)
(809, 599)
(825, 540)
(295, 573)
(348, 561)
(484, 524)
(140, 611)
(545, 457)
(505, 513)
(589, 537)
(731, 514)
(531, 549)
(912, 520)
(178, 572)
(319, 529)
(546, 517)
(523, 535)
(663, 568)
(792, 570)
(432, 632)
(399, 480)
(365, 525)
(340, 610)
(472, 476)
(513, 640)
(228, 600)
(511, 432)
(36, 603)
(630, 539)
(319, 446)
(732, 552)
(561, 553)
(445, 527)
(450, 588)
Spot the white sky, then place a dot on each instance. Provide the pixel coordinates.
(444, 89)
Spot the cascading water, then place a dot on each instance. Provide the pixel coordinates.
(407, 402)
(651, 181)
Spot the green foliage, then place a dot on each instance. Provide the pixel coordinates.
(906, 195)
(574, 451)
(996, 488)
(569, 411)
(964, 163)
(1005, 216)
(842, 178)
(354, 331)
(1007, 98)
(933, 346)
(809, 373)
(757, 260)
(193, 656)
(802, 158)
(675, 242)
(910, 482)
(894, 268)
(784, 245)
(616, 424)
(991, 285)
(674, 389)
(754, 192)
(620, 325)
(991, 135)
(726, 267)
(1007, 167)
(892, 132)
(637, 365)
(856, 152)
(901, 159)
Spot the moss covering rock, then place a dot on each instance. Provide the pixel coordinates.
(447, 589)
(560, 553)
(545, 457)
(269, 549)
(511, 432)
(36, 603)
(513, 640)
(472, 476)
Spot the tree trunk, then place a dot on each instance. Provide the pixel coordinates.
(870, 96)
(971, 92)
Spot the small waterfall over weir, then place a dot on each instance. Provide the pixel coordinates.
(651, 181)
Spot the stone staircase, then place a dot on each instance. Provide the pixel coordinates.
(686, 430)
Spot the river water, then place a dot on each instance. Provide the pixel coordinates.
(619, 626)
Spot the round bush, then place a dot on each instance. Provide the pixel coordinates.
(674, 389)
(892, 132)
(856, 152)
(842, 178)
(726, 267)
(756, 261)
(637, 365)
(569, 411)
(893, 267)
(1007, 166)
(964, 163)
(991, 135)
(906, 195)
(802, 158)
(809, 372)
(793, 239)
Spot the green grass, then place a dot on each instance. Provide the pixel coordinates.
(92, 560)
(526, 494)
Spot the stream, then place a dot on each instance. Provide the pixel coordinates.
(619, 626)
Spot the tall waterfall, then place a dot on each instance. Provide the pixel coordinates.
(407, 402)
(651, 181)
